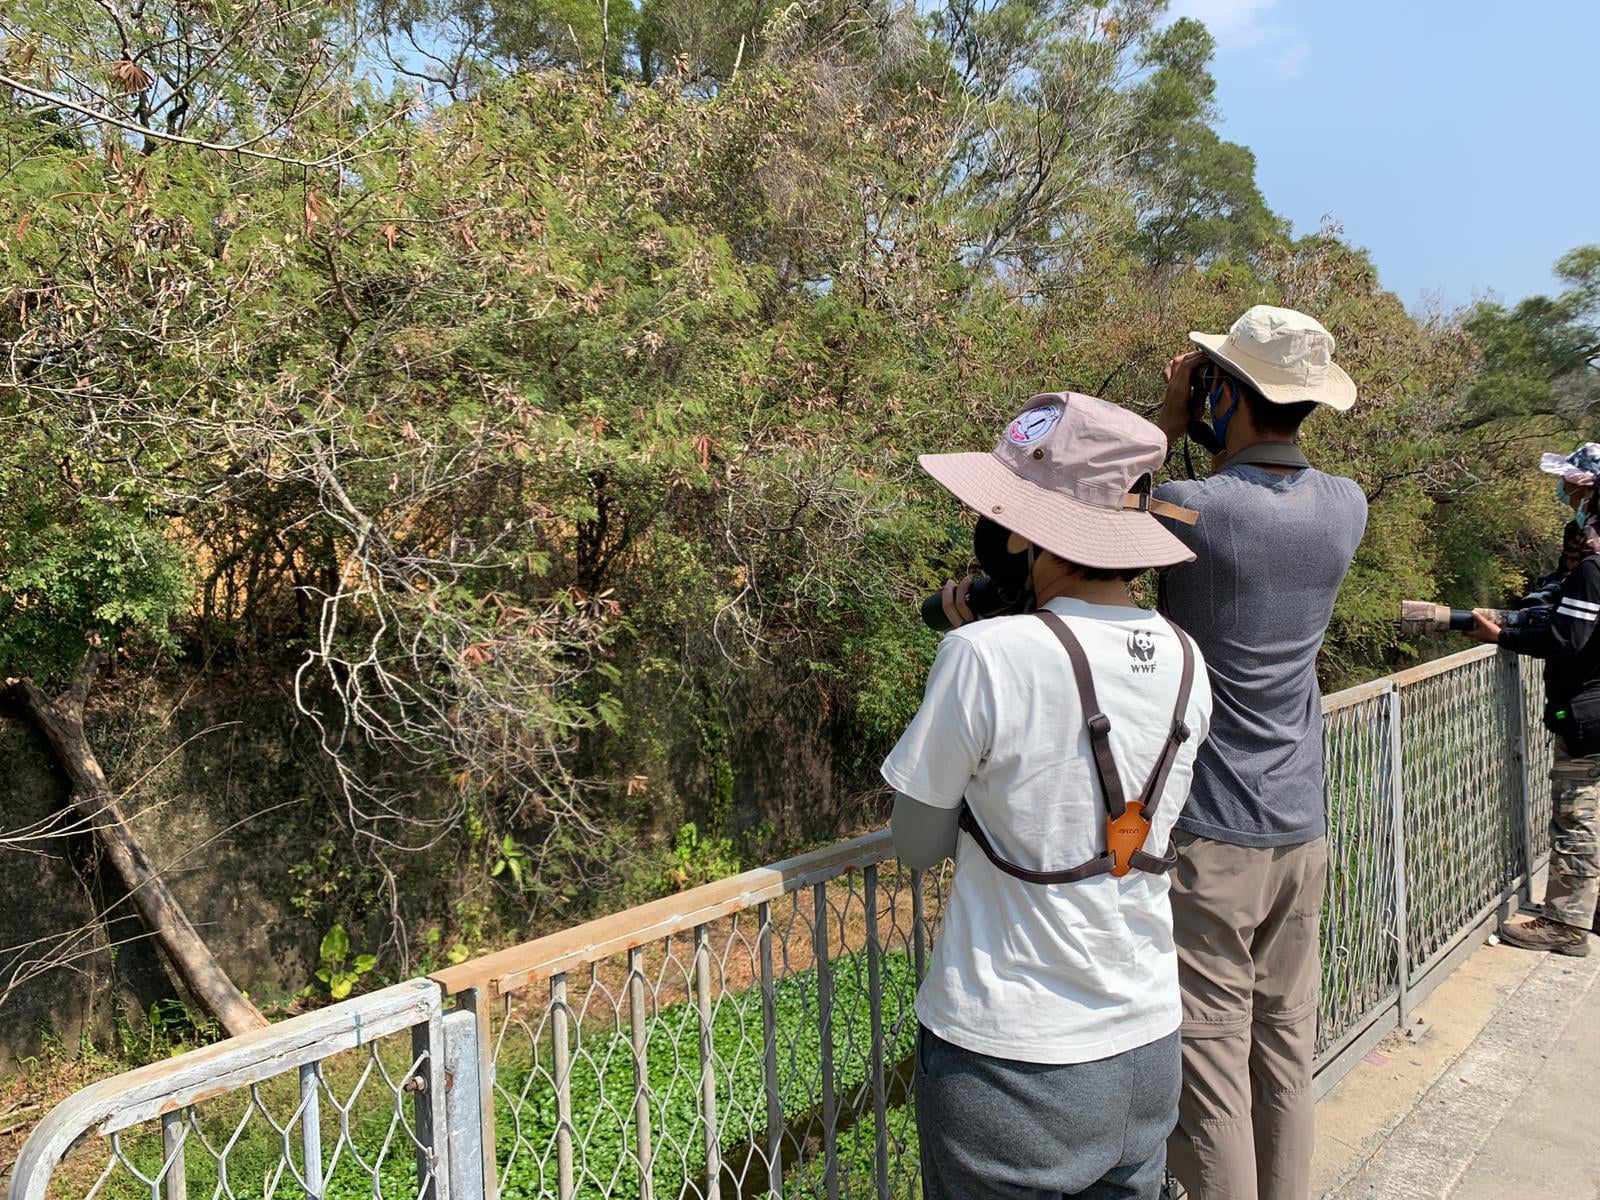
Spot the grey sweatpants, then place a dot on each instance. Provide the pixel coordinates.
(997, 1129)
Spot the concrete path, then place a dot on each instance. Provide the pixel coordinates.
(1500, 1100)
(1545, 1144)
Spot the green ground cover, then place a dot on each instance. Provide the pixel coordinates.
(602, 1087)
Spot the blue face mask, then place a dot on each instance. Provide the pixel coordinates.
(1580, 511)
(1220, 424)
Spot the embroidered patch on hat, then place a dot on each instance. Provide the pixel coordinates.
(1033, 425)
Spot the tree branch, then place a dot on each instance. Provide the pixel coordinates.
(128, 126)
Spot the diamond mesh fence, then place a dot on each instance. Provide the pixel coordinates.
(767, 1052)
(333, 1106)
(1360, 971)
(1540, 753)
(1462, 789)
(755, 1037)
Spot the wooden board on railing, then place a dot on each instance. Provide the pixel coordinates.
(1416, 674)
(508, 970)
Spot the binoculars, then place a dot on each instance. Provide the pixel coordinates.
(970, 599)
(1423, 616)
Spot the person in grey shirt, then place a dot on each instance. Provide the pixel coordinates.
(1272, 545)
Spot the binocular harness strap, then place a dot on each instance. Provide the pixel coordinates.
(1105, 765)
(1128, 823)
(1095, 866)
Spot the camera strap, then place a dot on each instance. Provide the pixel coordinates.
(1127, 822)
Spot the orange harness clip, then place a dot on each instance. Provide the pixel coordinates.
(1125, 836)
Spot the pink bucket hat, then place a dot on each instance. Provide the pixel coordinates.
(1064, 475)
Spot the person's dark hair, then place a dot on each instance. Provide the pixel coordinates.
(1274, 420)
(1099, 574)
(1107, 574)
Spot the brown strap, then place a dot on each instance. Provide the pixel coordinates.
(1145, 502)
(1106, 767)
(1140, 861)
(1095, 866)
(954, 600)
(1155, 787)
(1105, 764)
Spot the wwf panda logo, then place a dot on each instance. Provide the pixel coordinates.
(1142, 649)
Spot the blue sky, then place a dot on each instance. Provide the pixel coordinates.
(1458, 142)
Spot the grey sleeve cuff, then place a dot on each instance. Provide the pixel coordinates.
(923, 834)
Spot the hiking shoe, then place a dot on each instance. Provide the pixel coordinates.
(1541, 933)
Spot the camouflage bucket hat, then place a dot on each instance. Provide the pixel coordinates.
(1580, 468)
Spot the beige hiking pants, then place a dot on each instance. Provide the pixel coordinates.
(1246, 924)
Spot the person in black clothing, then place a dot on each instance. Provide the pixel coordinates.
(1539, 603)
(1572, 713)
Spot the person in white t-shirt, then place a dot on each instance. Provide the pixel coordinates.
(1052, 753)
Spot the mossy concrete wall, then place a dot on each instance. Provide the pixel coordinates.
(236, 804)
(227, 800)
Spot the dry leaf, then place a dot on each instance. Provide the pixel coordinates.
(133, 78)
(702, 446)
(319, 209)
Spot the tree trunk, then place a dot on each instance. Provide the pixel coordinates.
(61, 720)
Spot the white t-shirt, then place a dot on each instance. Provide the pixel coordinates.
(1068, 972)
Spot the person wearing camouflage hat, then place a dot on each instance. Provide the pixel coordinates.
(1572, 714)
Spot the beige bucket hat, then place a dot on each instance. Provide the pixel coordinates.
(1285, 355)
(1064, 474)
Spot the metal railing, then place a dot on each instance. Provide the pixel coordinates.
(754, 1037)
(339, 1102)
(1438, 809)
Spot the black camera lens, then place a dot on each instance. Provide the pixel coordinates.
(985, 598)
(933, 614)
